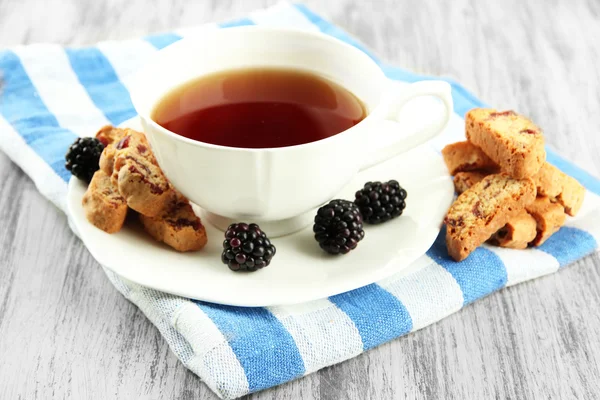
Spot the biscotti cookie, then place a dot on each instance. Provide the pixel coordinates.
(116, 138)
(107, 159)
(512, 141)
(465, 156)
(464, 180)
(138, 176)
(549, 218)
(109, 134)
(555, 184)
(104, 207)
(177, 227)
(549, 180)
(483, 209)
(572, 195)
(517, 233)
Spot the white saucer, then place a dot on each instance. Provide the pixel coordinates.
(300, 271)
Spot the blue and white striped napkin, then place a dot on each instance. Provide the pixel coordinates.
(51, 95)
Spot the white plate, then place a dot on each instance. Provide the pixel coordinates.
(300, 271)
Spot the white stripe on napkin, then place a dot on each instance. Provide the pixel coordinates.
(323, 333)
(127, 57)
(283, 15)
(524, 265)
(429, 294)
(59, 88)
(588, 218)
(214, 359)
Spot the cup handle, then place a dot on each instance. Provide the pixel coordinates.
(388, 141)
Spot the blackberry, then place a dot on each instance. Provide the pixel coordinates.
(246, 248)
(379, 202)
(83, 156)
(338, 227)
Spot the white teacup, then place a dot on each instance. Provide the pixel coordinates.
(278, 188)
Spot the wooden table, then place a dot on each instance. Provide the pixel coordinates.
(65, 332)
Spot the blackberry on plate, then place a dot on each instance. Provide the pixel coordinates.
(379, 202)
(246, 248)
(83, 156)
(338, 227)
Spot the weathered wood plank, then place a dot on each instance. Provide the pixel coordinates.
(65, 332)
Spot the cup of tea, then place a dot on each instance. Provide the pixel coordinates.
(264, 125)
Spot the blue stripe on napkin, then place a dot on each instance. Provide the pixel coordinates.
(237, 22)
(263, 346)
(162, 40)
(22, 107)
(482, 273)
(377, 314)
(569, 244)
(102, 84)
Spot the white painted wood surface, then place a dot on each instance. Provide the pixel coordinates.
(65, 332)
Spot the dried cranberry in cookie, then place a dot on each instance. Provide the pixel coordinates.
(112, 137)
(138, 176)
(109, 134)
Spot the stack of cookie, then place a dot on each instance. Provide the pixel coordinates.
(130, 178)
(508, 194)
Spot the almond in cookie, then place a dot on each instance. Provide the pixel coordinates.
(549, 218)
(483, 209)
(517, 233)
(177, 227)
(465, 156)
(512, 141)
(104, 207)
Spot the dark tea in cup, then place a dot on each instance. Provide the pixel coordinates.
(259, 108)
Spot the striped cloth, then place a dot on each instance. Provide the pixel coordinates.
(51, 95)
